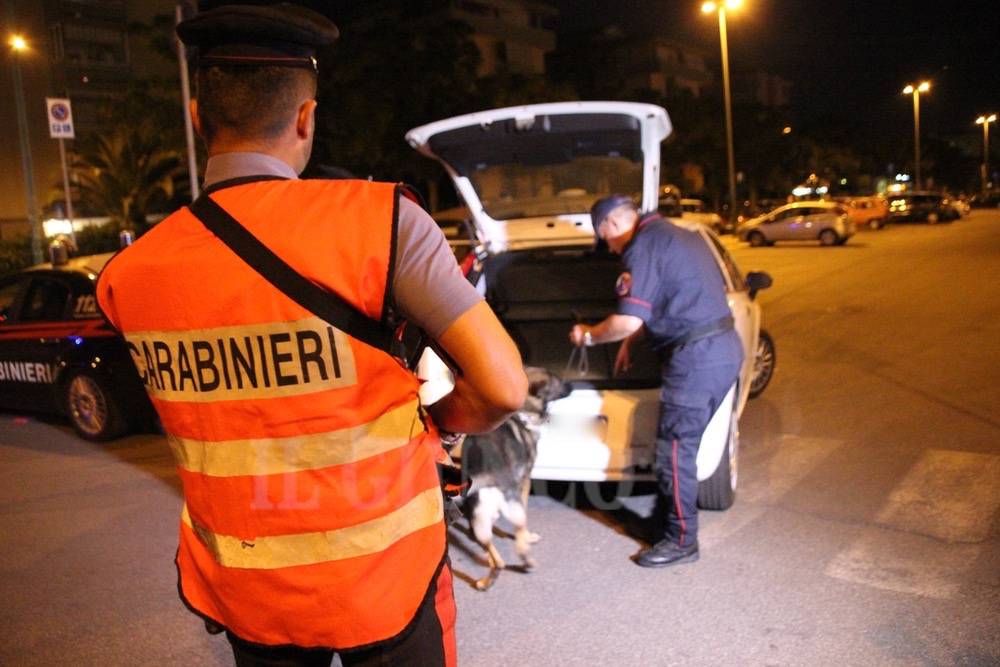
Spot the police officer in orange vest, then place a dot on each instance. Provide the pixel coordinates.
(313, 517)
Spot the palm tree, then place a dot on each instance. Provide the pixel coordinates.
(127, 173)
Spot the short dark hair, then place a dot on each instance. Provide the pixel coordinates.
(252, 102)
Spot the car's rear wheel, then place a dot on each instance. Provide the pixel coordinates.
(933, 218)
(875, 223)
(763, 364)
(718, 492)
(92, 408)
(827, 237)
(756, 239)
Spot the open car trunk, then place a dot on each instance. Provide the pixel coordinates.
(538, 296)
(529, 176)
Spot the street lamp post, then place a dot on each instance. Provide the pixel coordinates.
(985, 122)
(18, 45)
(915, 91)
(720, 7)
(186, 97)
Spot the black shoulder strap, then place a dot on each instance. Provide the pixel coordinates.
(322, 303)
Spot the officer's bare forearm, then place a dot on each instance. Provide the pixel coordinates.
(465, 410)
(614, 328)
(491, 384)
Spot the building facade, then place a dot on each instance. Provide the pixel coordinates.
(613, 62)
(80, 49)
(510, 34)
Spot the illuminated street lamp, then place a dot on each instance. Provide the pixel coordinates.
(19, 45)
(915, 91)
(985, 122)
(720, 8)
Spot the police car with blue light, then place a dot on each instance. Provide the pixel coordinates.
(59, 357)
(529, 176)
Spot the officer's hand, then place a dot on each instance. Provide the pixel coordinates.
(623, 360)
(577, 335)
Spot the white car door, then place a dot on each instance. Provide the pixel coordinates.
(745, 311)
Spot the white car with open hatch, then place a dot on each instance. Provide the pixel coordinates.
(529, 176)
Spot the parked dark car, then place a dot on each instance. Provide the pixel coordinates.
(921, 207)
(58, 356)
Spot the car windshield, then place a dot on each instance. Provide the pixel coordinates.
(510, 191)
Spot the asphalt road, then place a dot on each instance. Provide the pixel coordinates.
(866, 531)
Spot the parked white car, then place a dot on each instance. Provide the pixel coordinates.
(697, 211)
(823, 221)
(529, 176)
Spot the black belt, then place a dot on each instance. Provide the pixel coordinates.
(714, 328)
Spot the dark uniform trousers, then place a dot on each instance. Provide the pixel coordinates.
(429, 641)
(696, 377)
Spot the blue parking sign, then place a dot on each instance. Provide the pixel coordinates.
(60, 115)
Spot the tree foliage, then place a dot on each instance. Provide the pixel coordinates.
(135, 166)
(15, 254)
(388, 73)
(398, 66)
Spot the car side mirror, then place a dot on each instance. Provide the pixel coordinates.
(758, 280)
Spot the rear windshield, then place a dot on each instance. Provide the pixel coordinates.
(518, 191)
(546, 164)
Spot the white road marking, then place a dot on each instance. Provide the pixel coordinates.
(935, 519)
(904, 563)
(793, 459)
(949, 495)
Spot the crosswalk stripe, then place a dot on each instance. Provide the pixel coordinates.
(949, 495)
(913, 564)
(791, 461)
(931, 527)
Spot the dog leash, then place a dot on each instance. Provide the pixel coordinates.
(579, 356)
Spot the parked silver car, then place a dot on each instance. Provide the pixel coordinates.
(823, 221)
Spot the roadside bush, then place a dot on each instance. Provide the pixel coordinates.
(94, 240)
(15, 255)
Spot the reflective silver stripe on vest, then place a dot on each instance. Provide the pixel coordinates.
(272, 552)
(271, 456)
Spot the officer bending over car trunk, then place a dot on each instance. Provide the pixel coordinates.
(671, 292)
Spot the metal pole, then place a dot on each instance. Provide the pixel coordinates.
(729, 115)
(916, 138)
(986, 156)
(69, 197)
(186, 96)
(26, 166)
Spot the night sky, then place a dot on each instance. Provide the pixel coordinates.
(848, 60)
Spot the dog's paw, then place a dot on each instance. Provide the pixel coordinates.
(532, 537)
(529, 562)
(486, 582)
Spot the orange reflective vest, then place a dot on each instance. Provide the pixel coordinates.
(313, 512)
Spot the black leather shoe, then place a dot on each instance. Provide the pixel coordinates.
(667, 552)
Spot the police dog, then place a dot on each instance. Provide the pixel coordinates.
(498, 467)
